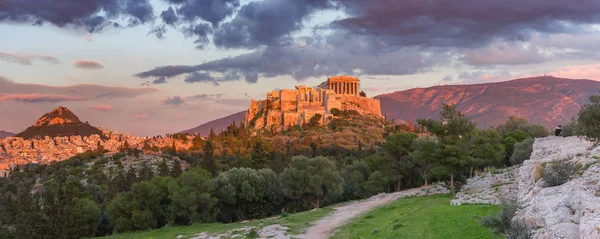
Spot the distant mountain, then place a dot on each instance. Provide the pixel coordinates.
(217, 125)
(544, 100)
(4, 134)
(60, 122)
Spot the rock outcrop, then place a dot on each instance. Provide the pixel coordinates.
(570, 210)
(287, 107)
(59, 123)
(488, 188)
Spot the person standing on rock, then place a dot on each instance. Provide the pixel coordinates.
(558, 131)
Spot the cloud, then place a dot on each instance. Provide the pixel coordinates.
(26, 58)
(204, 96)
(93, 16)
(447, 79)
(504, 54)
(456, 24)
(175, 100)
(590, 72)
(88, 65)
(140, 116)
(104, 108)
(336, 54)
(85, 91)
(484, 77)
(233, 102)
(34, 98)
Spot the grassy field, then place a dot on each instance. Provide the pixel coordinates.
(421, 217)
(296, 222)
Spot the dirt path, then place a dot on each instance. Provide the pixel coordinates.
(325, 227)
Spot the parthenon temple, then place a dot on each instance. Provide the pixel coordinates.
(344, 85)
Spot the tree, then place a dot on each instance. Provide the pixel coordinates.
(238, 188)
(335, 111)
(315, 119)
(486, 149)
(397, 148)
(176, 169)
(99, 148)
(511, 124)
(208, 159)
(312, 179)
(453, 133)
(173, 148)
(259, 155)
(362, 94)
(425, 155)
(191, 198)
(522, 151)
(163, 168)
(589, 118)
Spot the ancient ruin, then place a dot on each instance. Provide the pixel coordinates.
(289, 107)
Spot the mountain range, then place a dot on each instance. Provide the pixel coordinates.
(543, 100)
(4, 134)
(59, 122)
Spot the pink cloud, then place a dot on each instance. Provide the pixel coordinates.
(26, 58)
(590, 72)
(104, 108)
(88, 65)
(140, 116)
(31, 98)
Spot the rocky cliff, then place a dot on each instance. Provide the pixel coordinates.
(59, 122)
(570, 210)
(544, 100)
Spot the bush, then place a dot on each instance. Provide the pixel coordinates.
(518, 230)
(571, 129)
(501, 222)
(522, 151)
(589, 118)
(559, 172)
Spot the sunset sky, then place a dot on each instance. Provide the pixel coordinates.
(151, 67)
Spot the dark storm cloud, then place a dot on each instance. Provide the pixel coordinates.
(169, 17)
(457, 23)
(266, 22)
(337, 55)
(213, 11)
(160, 80)
(78, 13)
(201, 32)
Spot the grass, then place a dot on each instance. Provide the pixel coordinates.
(421, 217)
(297, 224)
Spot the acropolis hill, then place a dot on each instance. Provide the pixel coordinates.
(289, 107)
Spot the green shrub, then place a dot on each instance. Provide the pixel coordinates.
(252, 234)
(559, 172)
(518, 230)
(589, 118)
(571, 129)
(501, 222)
(397, 225)
(522, 151)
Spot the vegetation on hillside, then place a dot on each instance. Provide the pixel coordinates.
(239, 174)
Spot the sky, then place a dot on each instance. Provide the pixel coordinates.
(149, 67)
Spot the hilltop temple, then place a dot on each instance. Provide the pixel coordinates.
(288, 107)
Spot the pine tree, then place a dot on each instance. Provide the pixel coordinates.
(176, 170)
(212, 135)
(208, 160)
(163, 168)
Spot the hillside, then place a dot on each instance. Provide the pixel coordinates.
(544, 100)
(217, 125)
(59, 122)
(4, 134)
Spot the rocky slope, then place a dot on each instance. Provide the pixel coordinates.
(545, 100)
(570, 210)
(4, 134)
(217, 125)
(59, 122)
